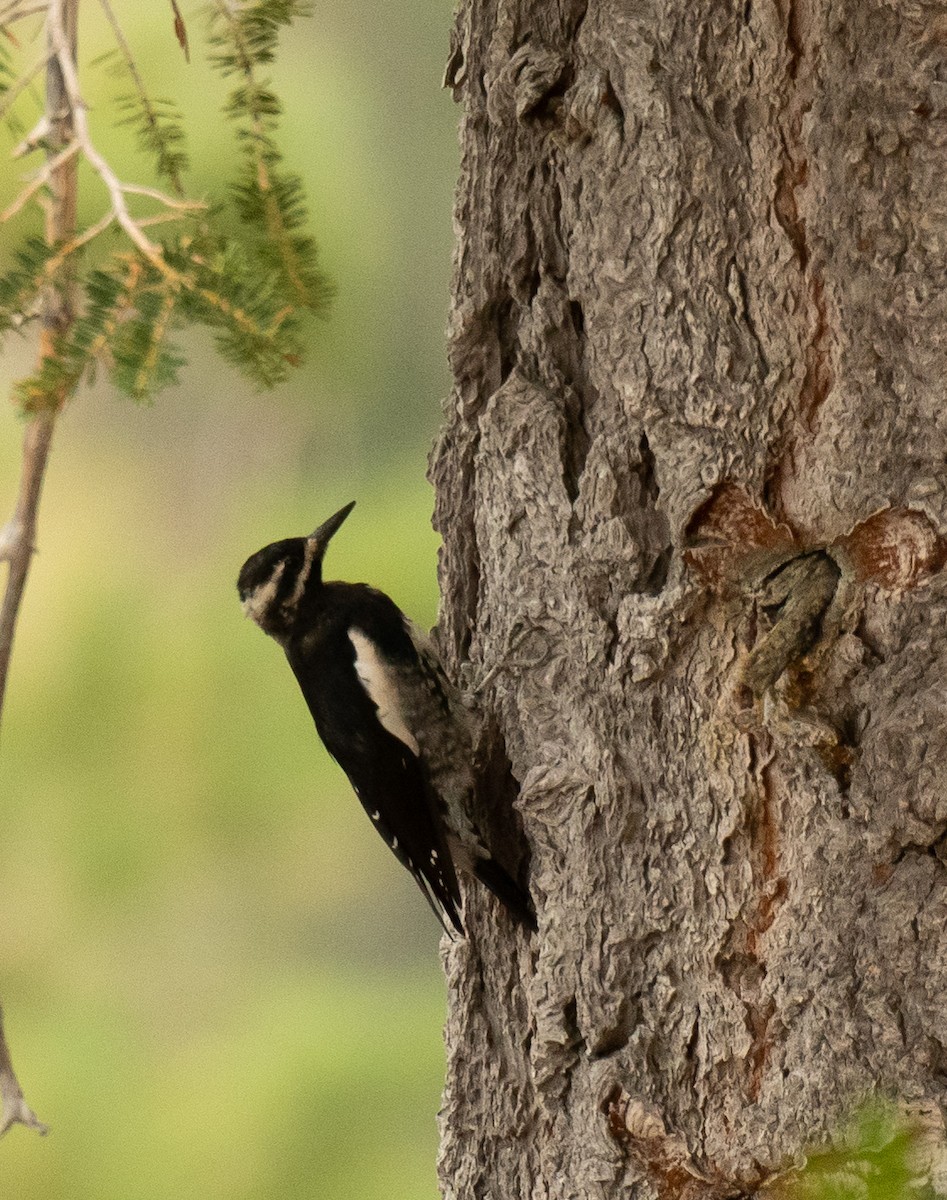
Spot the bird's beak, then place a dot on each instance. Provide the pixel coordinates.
(324, 533)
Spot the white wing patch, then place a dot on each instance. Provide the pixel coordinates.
(378, 681)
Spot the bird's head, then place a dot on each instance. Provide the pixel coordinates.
(279, 582)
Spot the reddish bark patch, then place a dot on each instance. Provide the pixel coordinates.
(725, 529)
(896, 548)
(665, 1157)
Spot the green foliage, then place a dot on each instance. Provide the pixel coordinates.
(78, 348)
(879, 1156)
(160, 134)
(20, 286)
(254, 322)
(246, 38)
(269, 200)
(247, 281)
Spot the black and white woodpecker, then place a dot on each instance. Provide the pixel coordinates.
(386, 712)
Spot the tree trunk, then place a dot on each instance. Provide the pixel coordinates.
(691, 488)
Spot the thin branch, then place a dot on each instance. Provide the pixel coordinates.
(139, 189)
(256, 117)
(80, 239)
(157, 219)
(77, 107)
(158, 332)
(272, 216)
(24, 81)
(43, 177)
(13, 1108)
(14, 12)
(19, 534)
(18, 537)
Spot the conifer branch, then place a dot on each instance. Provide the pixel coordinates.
(18, 536)
(156, 134)
(248, 289)
(267, 197)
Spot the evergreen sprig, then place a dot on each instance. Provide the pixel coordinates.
(131, 308)
(159, 132)
(268, 199)
(157, 123)
(254, 326)
(248, 284)
(77, 350)
(34, 263)
(248, 36)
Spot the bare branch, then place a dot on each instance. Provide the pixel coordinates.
(16, 11)
(157, 219)
(42, 178)
(87, 235)
(34, 139)
(18, 536)
(151, 250)
(13, 1108)
(138, 189)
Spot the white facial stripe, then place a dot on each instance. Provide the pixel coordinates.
(297, 593)
(377, 681)
(257, 603)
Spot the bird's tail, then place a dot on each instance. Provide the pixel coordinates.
(507, 891)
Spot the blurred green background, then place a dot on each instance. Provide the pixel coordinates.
(218, 983)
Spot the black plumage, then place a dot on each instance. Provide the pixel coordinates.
(385, 712)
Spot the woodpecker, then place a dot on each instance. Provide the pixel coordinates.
(385, 711)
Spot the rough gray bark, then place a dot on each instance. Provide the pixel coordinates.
(698, 331)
